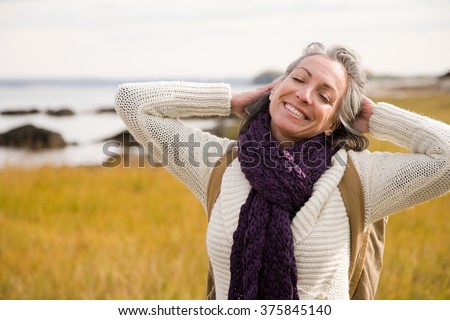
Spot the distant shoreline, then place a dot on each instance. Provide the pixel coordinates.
(109, 82)
(376, 85)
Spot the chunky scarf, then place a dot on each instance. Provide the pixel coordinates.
(262, 258)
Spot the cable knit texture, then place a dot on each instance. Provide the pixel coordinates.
(153, 113)
(262, 255)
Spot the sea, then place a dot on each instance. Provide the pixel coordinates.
(84, 131)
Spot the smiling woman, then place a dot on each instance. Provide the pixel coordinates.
(279, 228)
(306, 102)
(330, 85)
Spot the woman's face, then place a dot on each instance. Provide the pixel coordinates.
(304, 104)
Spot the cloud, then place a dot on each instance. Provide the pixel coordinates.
(214, 38)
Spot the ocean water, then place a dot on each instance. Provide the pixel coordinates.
(85, 130)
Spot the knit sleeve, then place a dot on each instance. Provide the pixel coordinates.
(396, 181)
(153, 114)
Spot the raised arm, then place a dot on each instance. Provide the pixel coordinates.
(152, 113)
(395, 181)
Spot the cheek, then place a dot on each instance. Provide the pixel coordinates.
(281, 121)
(273, 109)
(274, 112)
(277, 113)
(326, 118)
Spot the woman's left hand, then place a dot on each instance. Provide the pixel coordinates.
(361, 123)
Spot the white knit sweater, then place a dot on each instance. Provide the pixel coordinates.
(391, 181)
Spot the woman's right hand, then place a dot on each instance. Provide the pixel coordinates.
(240, 100)
(361, 123)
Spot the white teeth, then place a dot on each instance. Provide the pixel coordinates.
(295, 111)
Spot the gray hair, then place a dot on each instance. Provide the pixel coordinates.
(351, 102)
(344, 134)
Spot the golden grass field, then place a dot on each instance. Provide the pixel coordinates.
(137, 233)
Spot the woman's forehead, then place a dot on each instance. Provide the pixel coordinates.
(322, 68)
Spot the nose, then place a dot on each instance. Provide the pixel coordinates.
(304, 95)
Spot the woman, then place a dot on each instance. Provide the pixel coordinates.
(279, 228)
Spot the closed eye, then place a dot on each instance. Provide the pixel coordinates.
(324, 98)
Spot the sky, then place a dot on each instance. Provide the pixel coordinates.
(212, 39)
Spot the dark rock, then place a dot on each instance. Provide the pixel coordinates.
(19, 112)
(31, 137)
(131, 154)
(60, 113)
(445, 76)
(106, 110)
(124, 138)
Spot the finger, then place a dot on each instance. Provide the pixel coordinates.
(366, 101)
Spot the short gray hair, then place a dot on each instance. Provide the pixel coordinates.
(344, 134)
(351, 102)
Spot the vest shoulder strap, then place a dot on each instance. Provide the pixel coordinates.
(352, 195)
(212, 192)
(367, 246)
(215, 180)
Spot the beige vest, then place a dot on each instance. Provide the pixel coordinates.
(367, 246)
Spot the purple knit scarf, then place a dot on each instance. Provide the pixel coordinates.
(262, 257)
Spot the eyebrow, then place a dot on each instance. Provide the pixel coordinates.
(326, 85)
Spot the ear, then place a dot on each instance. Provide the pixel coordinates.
(335, 125)
(332, 127)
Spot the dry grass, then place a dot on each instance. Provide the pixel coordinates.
(416, 263)
(98, 233)
(129, 233)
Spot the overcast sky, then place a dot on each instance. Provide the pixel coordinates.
(215, 39)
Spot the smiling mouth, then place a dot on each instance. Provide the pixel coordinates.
(294, 111)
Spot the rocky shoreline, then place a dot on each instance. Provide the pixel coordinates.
(61, 112)
(31, 137)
